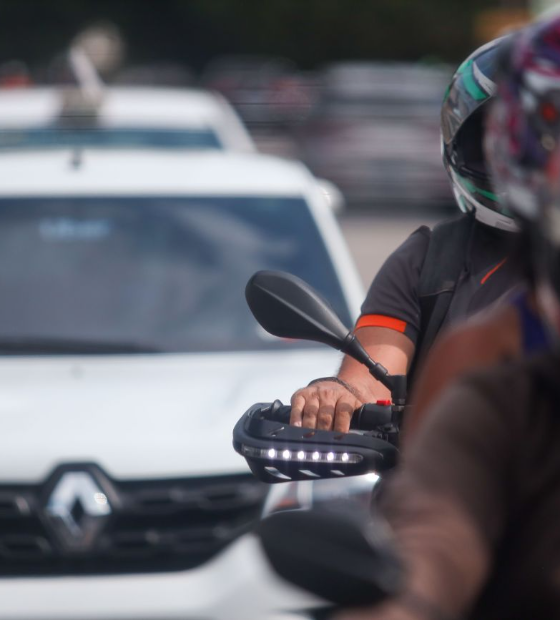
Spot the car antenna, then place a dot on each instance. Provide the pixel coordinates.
(77, 158)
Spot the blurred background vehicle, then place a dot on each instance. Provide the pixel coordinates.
(122, 117)
(79, 110)
(374, 132)
(126, 349)
(264, 90)
(171, 74)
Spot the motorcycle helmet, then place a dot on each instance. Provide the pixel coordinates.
(535, 74)
(522, 142)
(523, 121)
(462, 126)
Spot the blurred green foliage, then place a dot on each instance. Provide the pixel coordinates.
(193, 31)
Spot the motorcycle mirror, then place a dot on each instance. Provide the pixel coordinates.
(288, 307)
(345, 558)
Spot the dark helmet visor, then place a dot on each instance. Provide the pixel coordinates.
(472, 85)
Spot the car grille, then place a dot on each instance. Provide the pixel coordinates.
(160, 525)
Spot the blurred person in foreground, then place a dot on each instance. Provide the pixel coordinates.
(435, 278)
(474, 506)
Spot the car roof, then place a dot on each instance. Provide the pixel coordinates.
(123, 106)
(149, 172)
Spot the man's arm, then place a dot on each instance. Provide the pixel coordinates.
(327, 405)
(387, 328)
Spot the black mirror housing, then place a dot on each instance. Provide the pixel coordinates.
(288, 307)
(345, 558)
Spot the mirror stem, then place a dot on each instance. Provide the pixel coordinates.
(396, 384)
(352, 347)
(398, 387)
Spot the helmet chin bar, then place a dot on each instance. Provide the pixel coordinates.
(483, 214)
(493, 218)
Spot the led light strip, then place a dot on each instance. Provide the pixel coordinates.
(302, 456)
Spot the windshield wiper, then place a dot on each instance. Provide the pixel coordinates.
(69, 346)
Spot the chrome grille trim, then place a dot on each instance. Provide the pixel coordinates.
(160, 525)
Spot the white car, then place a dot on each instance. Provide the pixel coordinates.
(127, 353)
(125, 117)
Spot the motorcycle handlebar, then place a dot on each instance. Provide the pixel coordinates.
(278, 452)
(366, 418)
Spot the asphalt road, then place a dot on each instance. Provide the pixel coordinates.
(372, 237)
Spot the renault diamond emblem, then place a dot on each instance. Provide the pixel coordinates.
(77, 509)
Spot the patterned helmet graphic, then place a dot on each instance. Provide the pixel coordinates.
(462, 125)
(523, 133)
(523, 148)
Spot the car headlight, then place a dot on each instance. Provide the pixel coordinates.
(329, 493)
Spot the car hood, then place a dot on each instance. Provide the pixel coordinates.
(139, 417)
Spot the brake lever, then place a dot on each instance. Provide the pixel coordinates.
(372, 417)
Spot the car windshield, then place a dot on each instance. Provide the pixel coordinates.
(108, 137)
(114, 274)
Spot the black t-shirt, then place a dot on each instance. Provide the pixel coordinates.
(392, 300)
